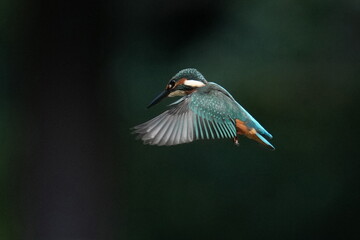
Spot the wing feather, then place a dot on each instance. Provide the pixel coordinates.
(190, 121)
(149, 131)
(174, 136)
(200, 127)
(196, 128)
(210, 129)
(206, 135)
(222, 129)
(207, 113)
(215, 126)
(158, 137)
(185, 131)
(168, 132)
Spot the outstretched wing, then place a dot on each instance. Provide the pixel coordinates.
(204, 114)
(174, 126)
(225, 102)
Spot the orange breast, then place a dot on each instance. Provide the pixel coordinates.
(241, 128)
(251, 133)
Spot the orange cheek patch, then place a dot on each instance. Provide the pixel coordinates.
(180, 82)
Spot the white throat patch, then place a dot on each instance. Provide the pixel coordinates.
(193, 83)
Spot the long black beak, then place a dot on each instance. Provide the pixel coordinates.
(161, 96)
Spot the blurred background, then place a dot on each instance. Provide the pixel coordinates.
(76, 76)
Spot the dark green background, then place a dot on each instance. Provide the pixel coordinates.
(76, 76)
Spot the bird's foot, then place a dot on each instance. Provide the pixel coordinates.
(236, 141)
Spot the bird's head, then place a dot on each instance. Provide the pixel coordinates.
(183, 83)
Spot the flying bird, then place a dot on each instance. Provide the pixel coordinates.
(205, 111)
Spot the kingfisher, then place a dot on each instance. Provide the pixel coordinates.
(205, 111)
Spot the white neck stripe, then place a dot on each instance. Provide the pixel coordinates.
(194, 83)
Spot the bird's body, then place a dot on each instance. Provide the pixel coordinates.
(206, 111)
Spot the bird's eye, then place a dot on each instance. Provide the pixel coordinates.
(171, 84)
